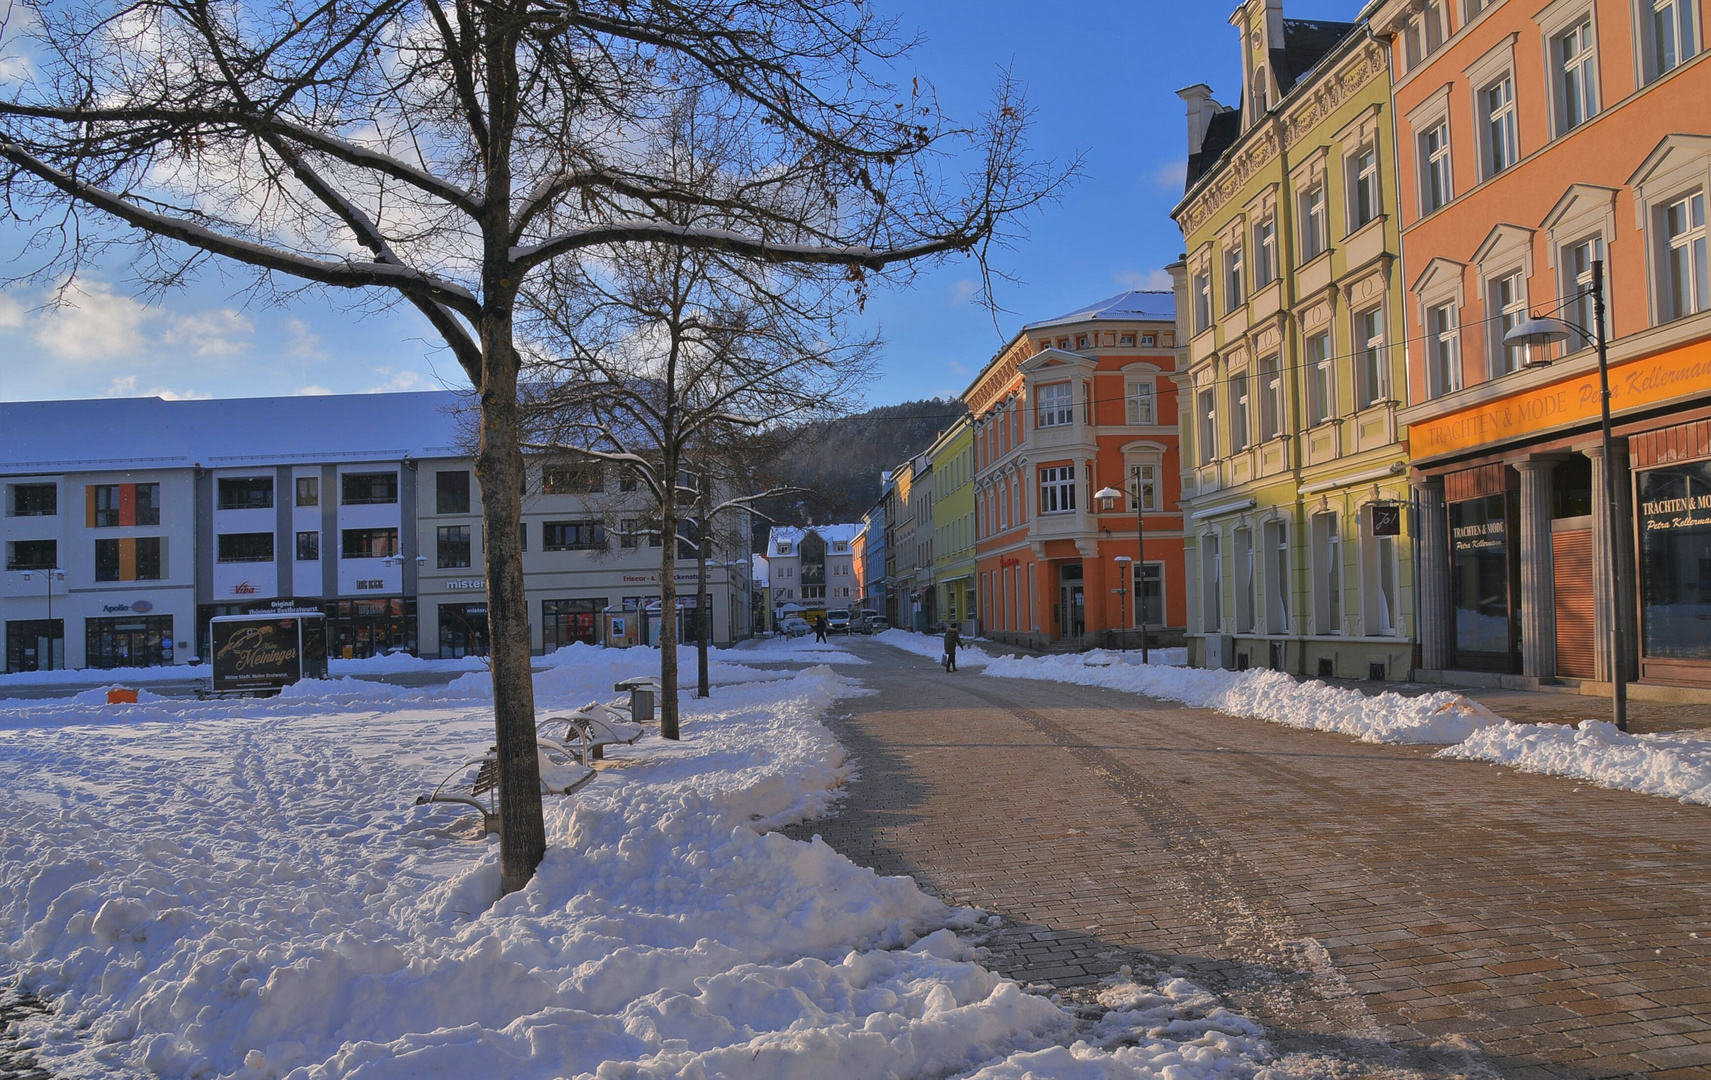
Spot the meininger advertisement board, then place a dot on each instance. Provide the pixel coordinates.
(265, 652)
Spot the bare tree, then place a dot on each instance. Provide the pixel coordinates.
(444, 153)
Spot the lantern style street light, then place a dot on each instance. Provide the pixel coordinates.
(1107, 498)
(49, 576)
(1543, 331)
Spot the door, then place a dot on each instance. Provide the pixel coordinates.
(1576, 648)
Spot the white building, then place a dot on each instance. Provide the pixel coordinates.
(813, 567)
(130, 523)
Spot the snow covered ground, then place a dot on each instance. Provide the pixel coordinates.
(244, 889)
(1676, 766)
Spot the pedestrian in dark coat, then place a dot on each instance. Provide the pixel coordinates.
(820, 629)
(952, 640)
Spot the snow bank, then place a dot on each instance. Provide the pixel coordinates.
(931, 646)
(1675, 766)
(244, 889)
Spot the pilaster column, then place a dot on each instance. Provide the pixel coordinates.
(1538, 590)
(1432, 597)
(1612, 547)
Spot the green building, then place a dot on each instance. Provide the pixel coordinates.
(952, 455)
(1291, 362)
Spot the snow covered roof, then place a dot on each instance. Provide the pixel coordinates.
(792, 535)
(761, 570)
(131, 433)
(1136, 305)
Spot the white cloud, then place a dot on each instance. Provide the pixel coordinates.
(1151, 281)
(958, 368)
(1172, 174)
(216, 332)
(126, 386)
(11, 313)
(305, 344)
(313, 390)
(400, 380)
(965, 291)
(94, 324)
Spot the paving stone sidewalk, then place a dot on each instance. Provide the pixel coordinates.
(1384, 913)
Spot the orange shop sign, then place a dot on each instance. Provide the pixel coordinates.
(1633, 385)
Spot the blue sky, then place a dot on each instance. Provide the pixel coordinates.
(1101, 76)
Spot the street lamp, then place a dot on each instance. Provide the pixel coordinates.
(49, 575)
(1543, 331)
(1123, 562)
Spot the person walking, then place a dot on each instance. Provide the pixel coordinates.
(820, 629)
(952, 640)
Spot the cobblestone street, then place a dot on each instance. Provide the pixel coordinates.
(1381, 911)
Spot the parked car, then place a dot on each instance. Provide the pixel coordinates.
(795, 626)
(838, 621)
(873, 624)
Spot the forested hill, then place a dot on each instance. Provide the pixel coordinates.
(840, 461)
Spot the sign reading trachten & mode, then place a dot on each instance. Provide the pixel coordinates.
(1633, 385)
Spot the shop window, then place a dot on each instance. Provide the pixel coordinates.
(1149, 589)
(1378, 576)
(237, 493)
(367, 489)
(572, 536)
(247, 547)
(34, 500)
(308, 491)
(565, 622)
(1057, 489)
(463, 631)
(1211, 585)
(1675, 561)
(1322, 386)
(1243, 550)
(1480, 575)
(35, 645)
(451, 546)
(128, 641)
(368, 543)
(1327, 575)
(451, 492)
(1057, 406)
(1571, 487)
(32, 554)
(308, 546)
(1277, 578)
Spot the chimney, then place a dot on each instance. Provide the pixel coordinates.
(1201, 109)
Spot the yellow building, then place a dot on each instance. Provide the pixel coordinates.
(952, 455)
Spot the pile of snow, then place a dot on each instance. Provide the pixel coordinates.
(1177, 657)
(794, 650)
(1674, 766)
(244, 889)
(931, 646)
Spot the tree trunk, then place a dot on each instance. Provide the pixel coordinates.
(499, 468)
(668, 601)
(703, 609)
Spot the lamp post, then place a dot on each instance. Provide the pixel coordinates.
(1107, 498)
(49, 575)
(1542, 331)
(1123, 562)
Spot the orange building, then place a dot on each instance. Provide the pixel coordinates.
(1070, 406)
(1535, 139)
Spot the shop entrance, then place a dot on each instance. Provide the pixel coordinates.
(1072, 603)
(136, 641)
(35, 645)
(463, 631)
(567, 621)
(1485, 584)
(359, 628)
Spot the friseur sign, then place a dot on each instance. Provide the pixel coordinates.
(1633, 385)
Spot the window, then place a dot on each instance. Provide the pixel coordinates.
(1127, 341)
(147, 501)
(581, 478)
(1669, 36)
(1277, 578)
(131, 559)
(1271, 397)
(1243, 550)
(1321, 383)
(1139, 400)
(1238, 413)
(1202, 302)
(35, 500)
(308, 491)
(235, 493)
(1374, 366)
(1684, 267)
(308, 546)
(32, 554)
(1149, 487)
(1435, 190)
(364, 489)
(1208, 427)
(369, 543)
(1081, 341)
(1149, 593)
(1057, 489)
(452, 546)
(106, 506)
(1423, 34)
(629, 533)
(1233, 294)
(1502, 143)
(126, 504)
(1508, 300)
(1578, 302)
(1443, 348)
(1576, 74)
(1265, 253)
(451, 492)
(1056, 405)
(1379, 574)
(572, 536)
(1211, 585)
(1327, 575)
(522, 536)
(1363, 188)
(245, 547)
(1315, 238)
(148, 561)
(106, 560)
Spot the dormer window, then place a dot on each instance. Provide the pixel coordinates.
(784, 547)
(1081, 341)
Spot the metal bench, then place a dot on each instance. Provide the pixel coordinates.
(592, 728)
(480, 791)
(642, 690)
